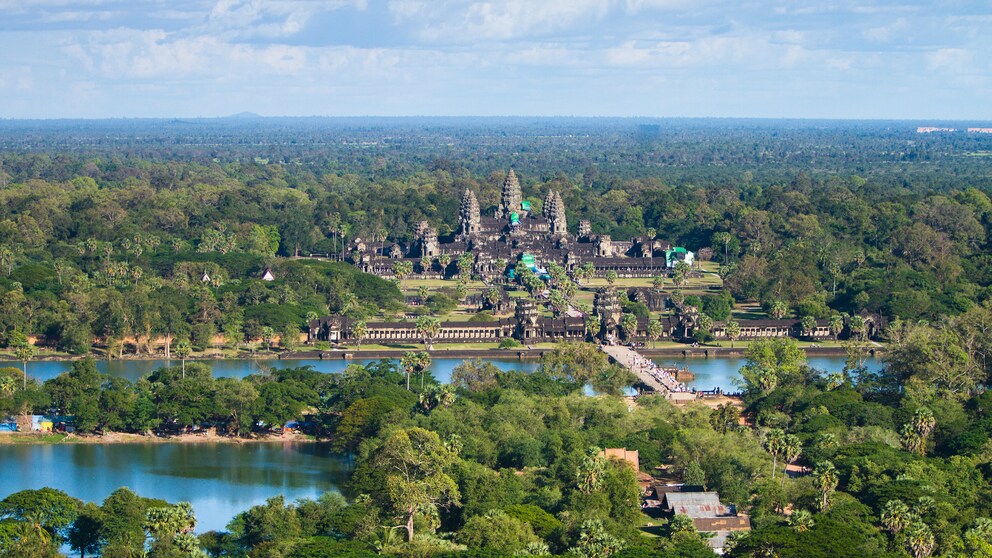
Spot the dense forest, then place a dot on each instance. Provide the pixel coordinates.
(128, 231)
(106, 228)
(508, 464)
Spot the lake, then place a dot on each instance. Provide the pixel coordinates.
(219, 479)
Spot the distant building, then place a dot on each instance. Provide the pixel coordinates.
(980, 130)
(934, 129)
(267, 276)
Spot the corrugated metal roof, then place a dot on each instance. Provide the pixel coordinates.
(696, 504)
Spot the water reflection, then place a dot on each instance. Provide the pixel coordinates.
(220, 480)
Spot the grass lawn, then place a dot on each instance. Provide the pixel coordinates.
(23, 438)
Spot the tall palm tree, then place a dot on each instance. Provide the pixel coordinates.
(836, 324)
(359, 331)
(183, 349)
(428, 327)
(825, 476)
(920, 539)
(409, 363)
(774, 441)
(23, 353)
(792, 448)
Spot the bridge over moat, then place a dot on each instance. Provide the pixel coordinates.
(660, 380)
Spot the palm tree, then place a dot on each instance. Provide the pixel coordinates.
(444, 260)
(628, 324)
(896, 516)
(592, 324)
(857, 326)
(920, 539)
(183, 349)
(836, 325)
(808, 325)
(778, 310)
(23, 353)
(423, 362)
(791, 449)
(402, 269)
(825, 477)
(409, 363)
(774, 441)
(428, 327)
(733, 330)
(267, 334)
(723, 238)
(426, 263)
(359, 330)
(916, 432)
(611, 277)
(655, 331)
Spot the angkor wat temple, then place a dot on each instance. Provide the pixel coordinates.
(499, 240)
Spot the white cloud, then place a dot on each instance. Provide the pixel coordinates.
(886, 33)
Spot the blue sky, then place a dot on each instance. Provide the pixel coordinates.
(748, 58)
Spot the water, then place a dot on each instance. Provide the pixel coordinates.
(723, 371)
(219, 479)
(710, 373)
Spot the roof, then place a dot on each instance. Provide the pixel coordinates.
(696, 505)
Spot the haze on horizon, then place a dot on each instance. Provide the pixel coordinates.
(907, 59)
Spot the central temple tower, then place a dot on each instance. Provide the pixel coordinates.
(512, 198)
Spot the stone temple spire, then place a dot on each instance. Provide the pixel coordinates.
(468, 215)
(549, 204)
(511, 196)
(556, 215)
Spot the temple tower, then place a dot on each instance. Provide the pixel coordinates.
(427, 238)
(606, 305)
(556, 216)
(512, 198)
(526, 315)
(469, 218)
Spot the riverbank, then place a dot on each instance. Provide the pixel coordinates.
(440, 351)
(211, 437)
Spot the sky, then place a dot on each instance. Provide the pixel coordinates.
(878, 59)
